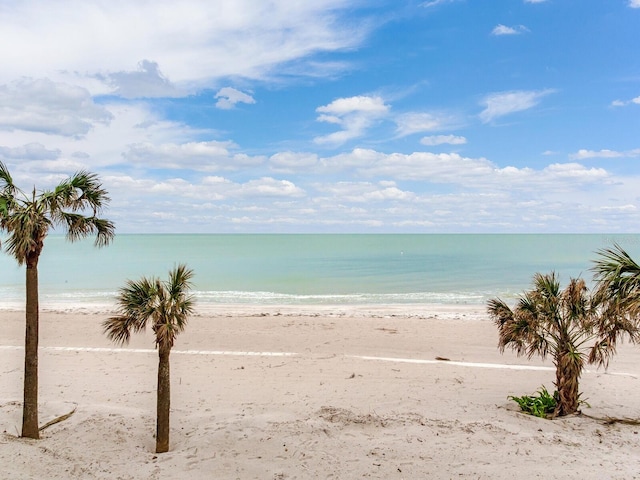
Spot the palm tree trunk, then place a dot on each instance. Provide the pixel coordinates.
(164, 400)
(567, 384)
(30, 405)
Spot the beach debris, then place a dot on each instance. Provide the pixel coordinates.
(613, 420)
(59, 419)
(388, 330)
(443, 359)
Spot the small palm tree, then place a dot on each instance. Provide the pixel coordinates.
(27, 219)
(548, 320)
(617, 278)
(167, 305)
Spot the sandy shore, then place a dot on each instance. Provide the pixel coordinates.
(309, 392)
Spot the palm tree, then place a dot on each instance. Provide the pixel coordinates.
(617, 278)
(27, 220)
(167, 305)
(548, 320)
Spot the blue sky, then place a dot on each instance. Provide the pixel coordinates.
(331, 115)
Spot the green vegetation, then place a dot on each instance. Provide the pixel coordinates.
(541, 405)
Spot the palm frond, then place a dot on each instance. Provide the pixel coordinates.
(27, 228)
(79, 192)
(92, 193)
(7, 187)
(118, 328)
(8, 193)
(79, 226)
(616, 273)
(27, 220)
(618, 293)
(166, 305)
(136, 303)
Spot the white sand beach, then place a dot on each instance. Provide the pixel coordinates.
(309, 392)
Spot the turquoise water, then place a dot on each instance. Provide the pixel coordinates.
(313, 269)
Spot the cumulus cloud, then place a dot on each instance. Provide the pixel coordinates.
(584, 154)
(443, 139)
(228, 97)
(206, 189)
(504, 30)
(634, 3)
(364, 192)
(270, 187)
(29, 151)
(505, 103)
(455, 169)
(200, 156)
(41, 105)
(382, 202)
(359, 158)
(354, 115)
(293, 161)
(345, 106)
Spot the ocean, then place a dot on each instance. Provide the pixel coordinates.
(311, 269)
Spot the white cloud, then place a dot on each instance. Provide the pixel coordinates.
(448, 191)
(454, 169)
(134, 130)
(364, 192)
(205, 190)
(146, 82)
(30, 151)
(356, 159)
(504, 30)
(435, 3)
(414, 122)
(620, 208)
(270, 187)
(534, 1)
(576, 171)
(292, 161)
(583, 154)
(443, 139)
(354, 115)
(358, 104)
(505, 103)
(40, 105)
(634, 3)
(228, 97)
(202, 156)
(438, 168)
(622, 103)
(192, 42)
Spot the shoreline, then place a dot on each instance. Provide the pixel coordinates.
(412, 310)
